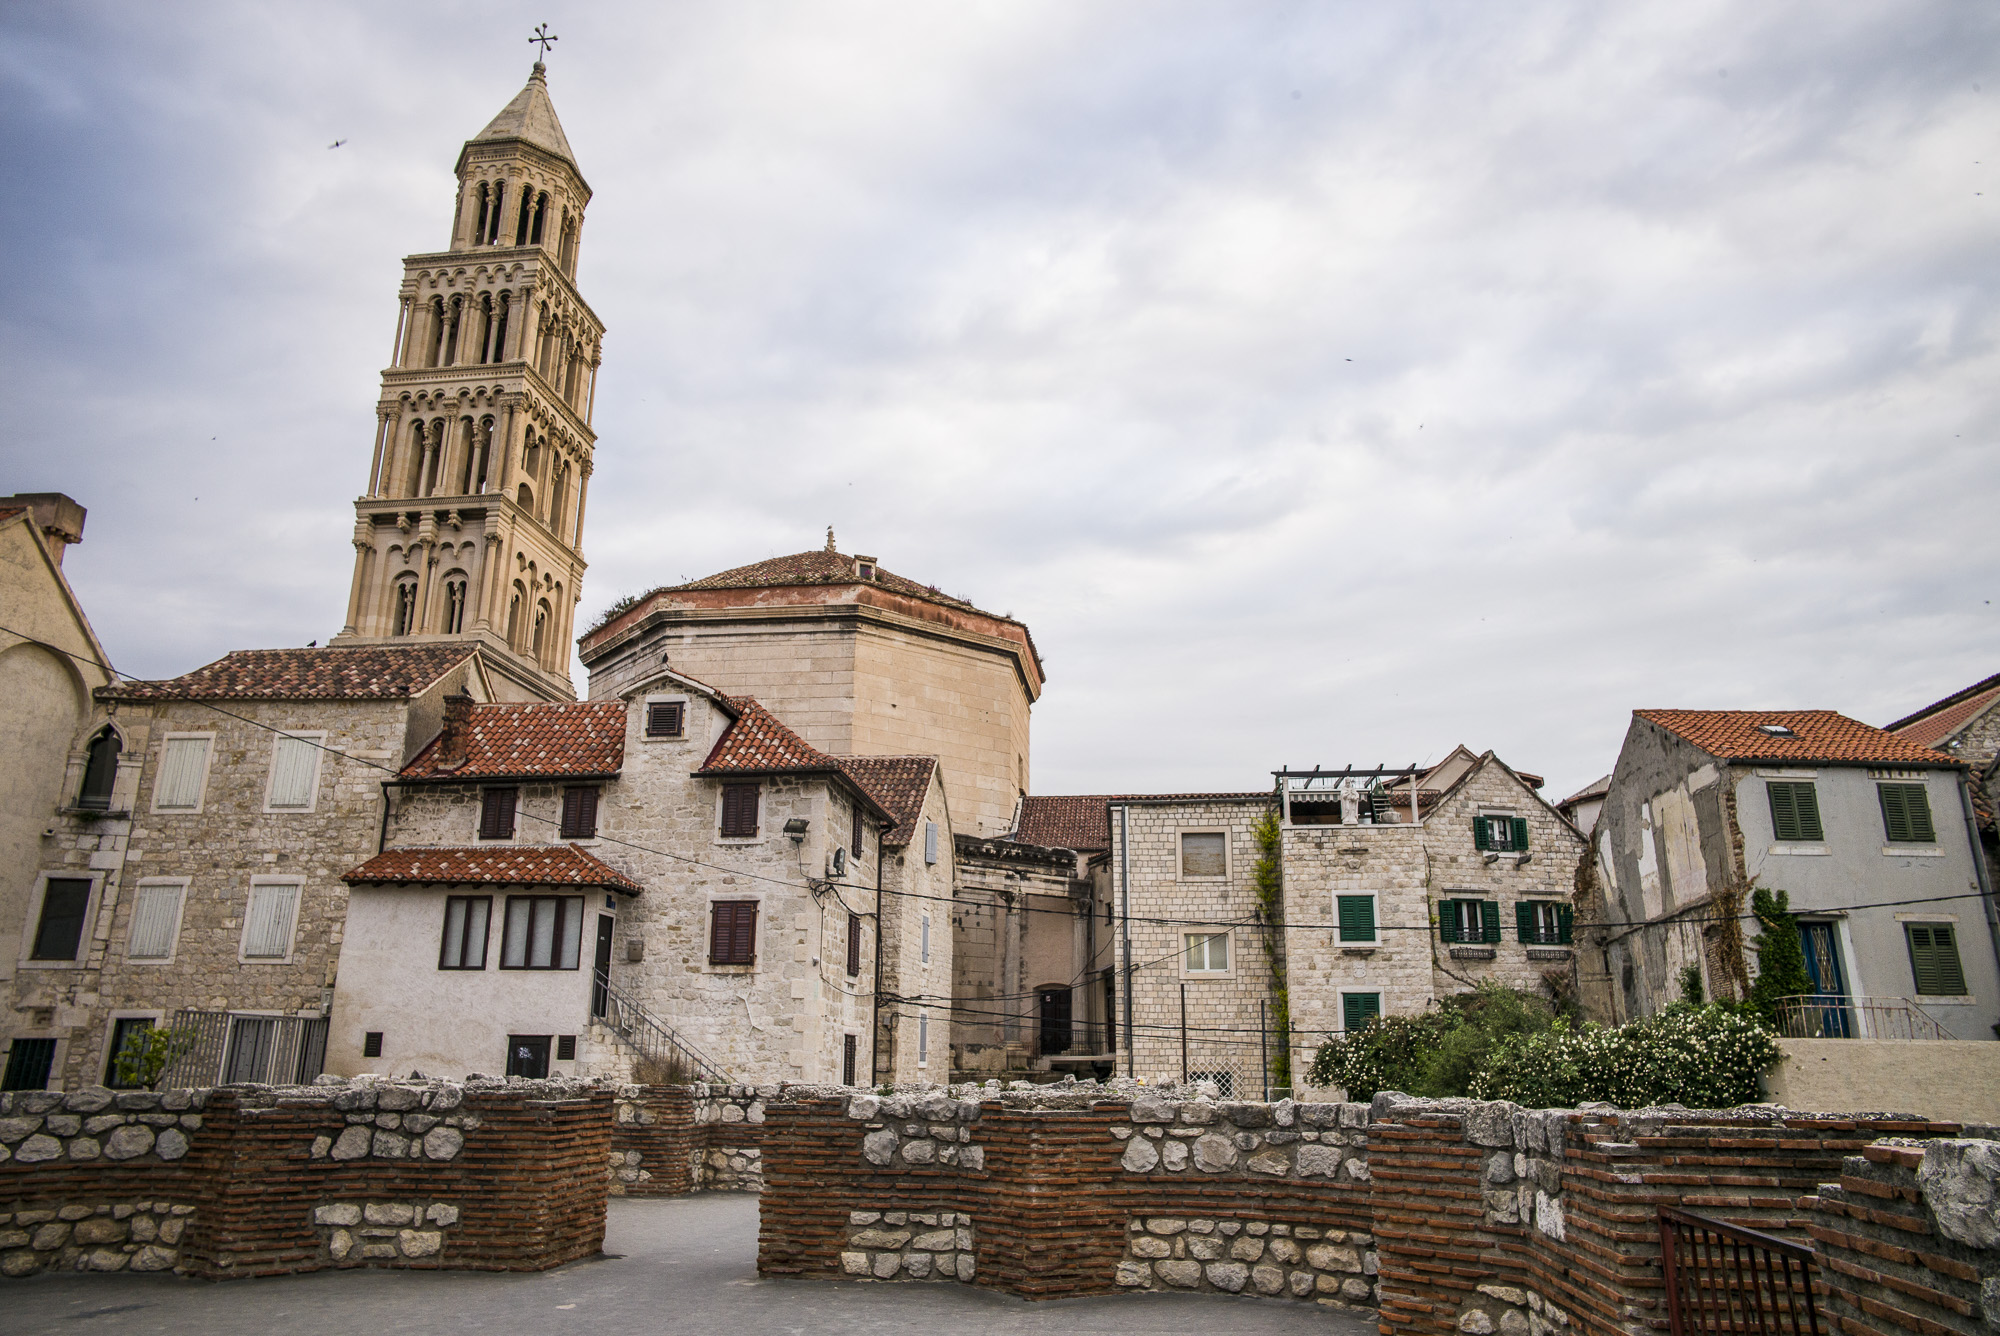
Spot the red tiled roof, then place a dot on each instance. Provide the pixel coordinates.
(581, 737)
(361, 672)
(1082, 822)
(898, 784)
(1939, 720)
(1821, 736)
(756, 743)
(816, 568)
(491, 865)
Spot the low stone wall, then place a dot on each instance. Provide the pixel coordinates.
(1237, 1256)
(258, 1180)
(908, 1245)
(670, 1140)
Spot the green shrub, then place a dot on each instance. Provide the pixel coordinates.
(1706, 1057)
(1435, 1055)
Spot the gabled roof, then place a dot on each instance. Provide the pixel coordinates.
(491, 865)
(360, 672)
(1082, 822)
(531, 117)
(546, 740)
(898, 784)
(758, 743)
(1596, 789)
(1817, 736)
(1940, 719)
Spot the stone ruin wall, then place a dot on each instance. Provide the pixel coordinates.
(669, 1140)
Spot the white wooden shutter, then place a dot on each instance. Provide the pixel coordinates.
(930, 842)
(155, 913)
(294, 773)
(267, 929)
(182, 761)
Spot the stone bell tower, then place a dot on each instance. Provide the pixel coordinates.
(471, 526)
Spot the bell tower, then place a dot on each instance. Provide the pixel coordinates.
(471, 525)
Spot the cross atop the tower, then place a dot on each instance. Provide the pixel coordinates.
(544, 39)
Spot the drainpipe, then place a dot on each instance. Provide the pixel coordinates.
(875, 1002)
(1978, 861)
(1125, 924)
(382, 838)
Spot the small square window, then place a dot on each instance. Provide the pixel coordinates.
(123, 1031)
(739, 811)
(1906, 814)
(496, 813)
(1358, 1009)
(1934, 959)
(666, 718)
(1794, 810)
(371, 1044)
(565, 1048)
(1356, 914)
(579, 813)
(1207, 952)
(1204, 855)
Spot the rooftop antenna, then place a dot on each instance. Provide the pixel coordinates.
(544, 39)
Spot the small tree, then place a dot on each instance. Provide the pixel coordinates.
(1781, 957)
(1269, 884)
(147, 1054)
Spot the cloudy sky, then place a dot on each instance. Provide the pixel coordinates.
(1322, 383)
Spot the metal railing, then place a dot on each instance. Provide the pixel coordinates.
(1839, 1016)
(1725, 1279)
(234, 1047)
(647, 1035)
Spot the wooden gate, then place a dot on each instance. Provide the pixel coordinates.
(1724, 1279)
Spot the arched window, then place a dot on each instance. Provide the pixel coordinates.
(541, 629)
(467, 434)
(479, 228)
(500, 328)
(413, 472)
(526, 498)
(541, 212)
(527, 208)
(437, 332)
(100, 771)
(485, 454)
(406, 607)
(569, 247)
(557, 485)
(454, 605)
(454, 317)
(485, 327)
(434, 469)
(531, 457)
(514, 616)
(491, 233)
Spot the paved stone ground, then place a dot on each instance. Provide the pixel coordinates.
(688, 1265)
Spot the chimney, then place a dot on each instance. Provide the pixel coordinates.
(59, 518)
(456, 738)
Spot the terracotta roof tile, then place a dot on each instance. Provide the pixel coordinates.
(756, 743)
(361, 672)
(490, 865)
(1939, 720)
(1817, 736)
(583, 737)
(816, 568)
(1082, 822)
(898, 784)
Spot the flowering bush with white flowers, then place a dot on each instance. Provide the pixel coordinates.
(1705, 1057)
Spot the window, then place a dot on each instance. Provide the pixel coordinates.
(565, 1048)
(496, 813)
(930, 842)
(156, 920)
(1543, 922)
(183, 772)
(924, 946)
(454, 607)
(371, 1044)
(1934, 960)
(406, 609)
(739, 811)
(1207, 952)
(465, 923)
(853, 945)
(1794, 810)
(100, 772)
(1204, 855)
(1500, 834)
(579, 813)
(665, 718)
(294, 780)
(1906, 814)
(122, 1030)
(859, 833)
(65, 901)
(1469, 921)
(1223, 1079)
(924, 1038)
(1358, 1009)
(849, 1047)
(1776, 730)
(1356, 914)
(28, 1064)
(732, 935)
(267, 924)
(543, 932)
(528, 1056)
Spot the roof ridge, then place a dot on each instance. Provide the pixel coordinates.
(1958, 697)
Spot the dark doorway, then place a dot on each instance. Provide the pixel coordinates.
(1055, 1010)
(528, 1056)
(600, 988)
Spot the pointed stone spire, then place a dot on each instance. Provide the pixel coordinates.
(531, 118)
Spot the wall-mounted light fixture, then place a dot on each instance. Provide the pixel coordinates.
(796, 828)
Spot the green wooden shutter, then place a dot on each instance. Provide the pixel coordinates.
(1921, 829)
(1524, 921)
(1357, 918)
(1565, 924)
(1489, 917)
(1906, 814)
(1934, 960)
(1479, 840)
(1448, 920)
(1784, 811)
(1520, 832)
(1357, 1009)
(1808, 801)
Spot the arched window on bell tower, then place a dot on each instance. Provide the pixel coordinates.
(541, 214)
(490, 234)
(454, 604)
(558, 484)
(100, 771)
(406, 607)
(520, 596)
(485, 211)
(539, 650)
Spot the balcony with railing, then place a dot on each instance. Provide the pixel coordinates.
(1841, 1016)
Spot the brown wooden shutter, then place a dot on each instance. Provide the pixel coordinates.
(496, 814)
(739, 810)
(853, 944)
(579, 818)
(856, 843)
(663, 719)
(732, 936)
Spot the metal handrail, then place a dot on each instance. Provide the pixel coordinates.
(1844, 1016)
(646, 1034)
(1724, 1278)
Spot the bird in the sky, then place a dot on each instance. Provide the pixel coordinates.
(336, 143)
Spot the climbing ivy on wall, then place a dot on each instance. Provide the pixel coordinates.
(1269, 885)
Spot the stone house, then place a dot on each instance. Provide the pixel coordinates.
(1384, 915)
(560, 880)
(204, 886)
(1966, 724)
(1866, 830)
